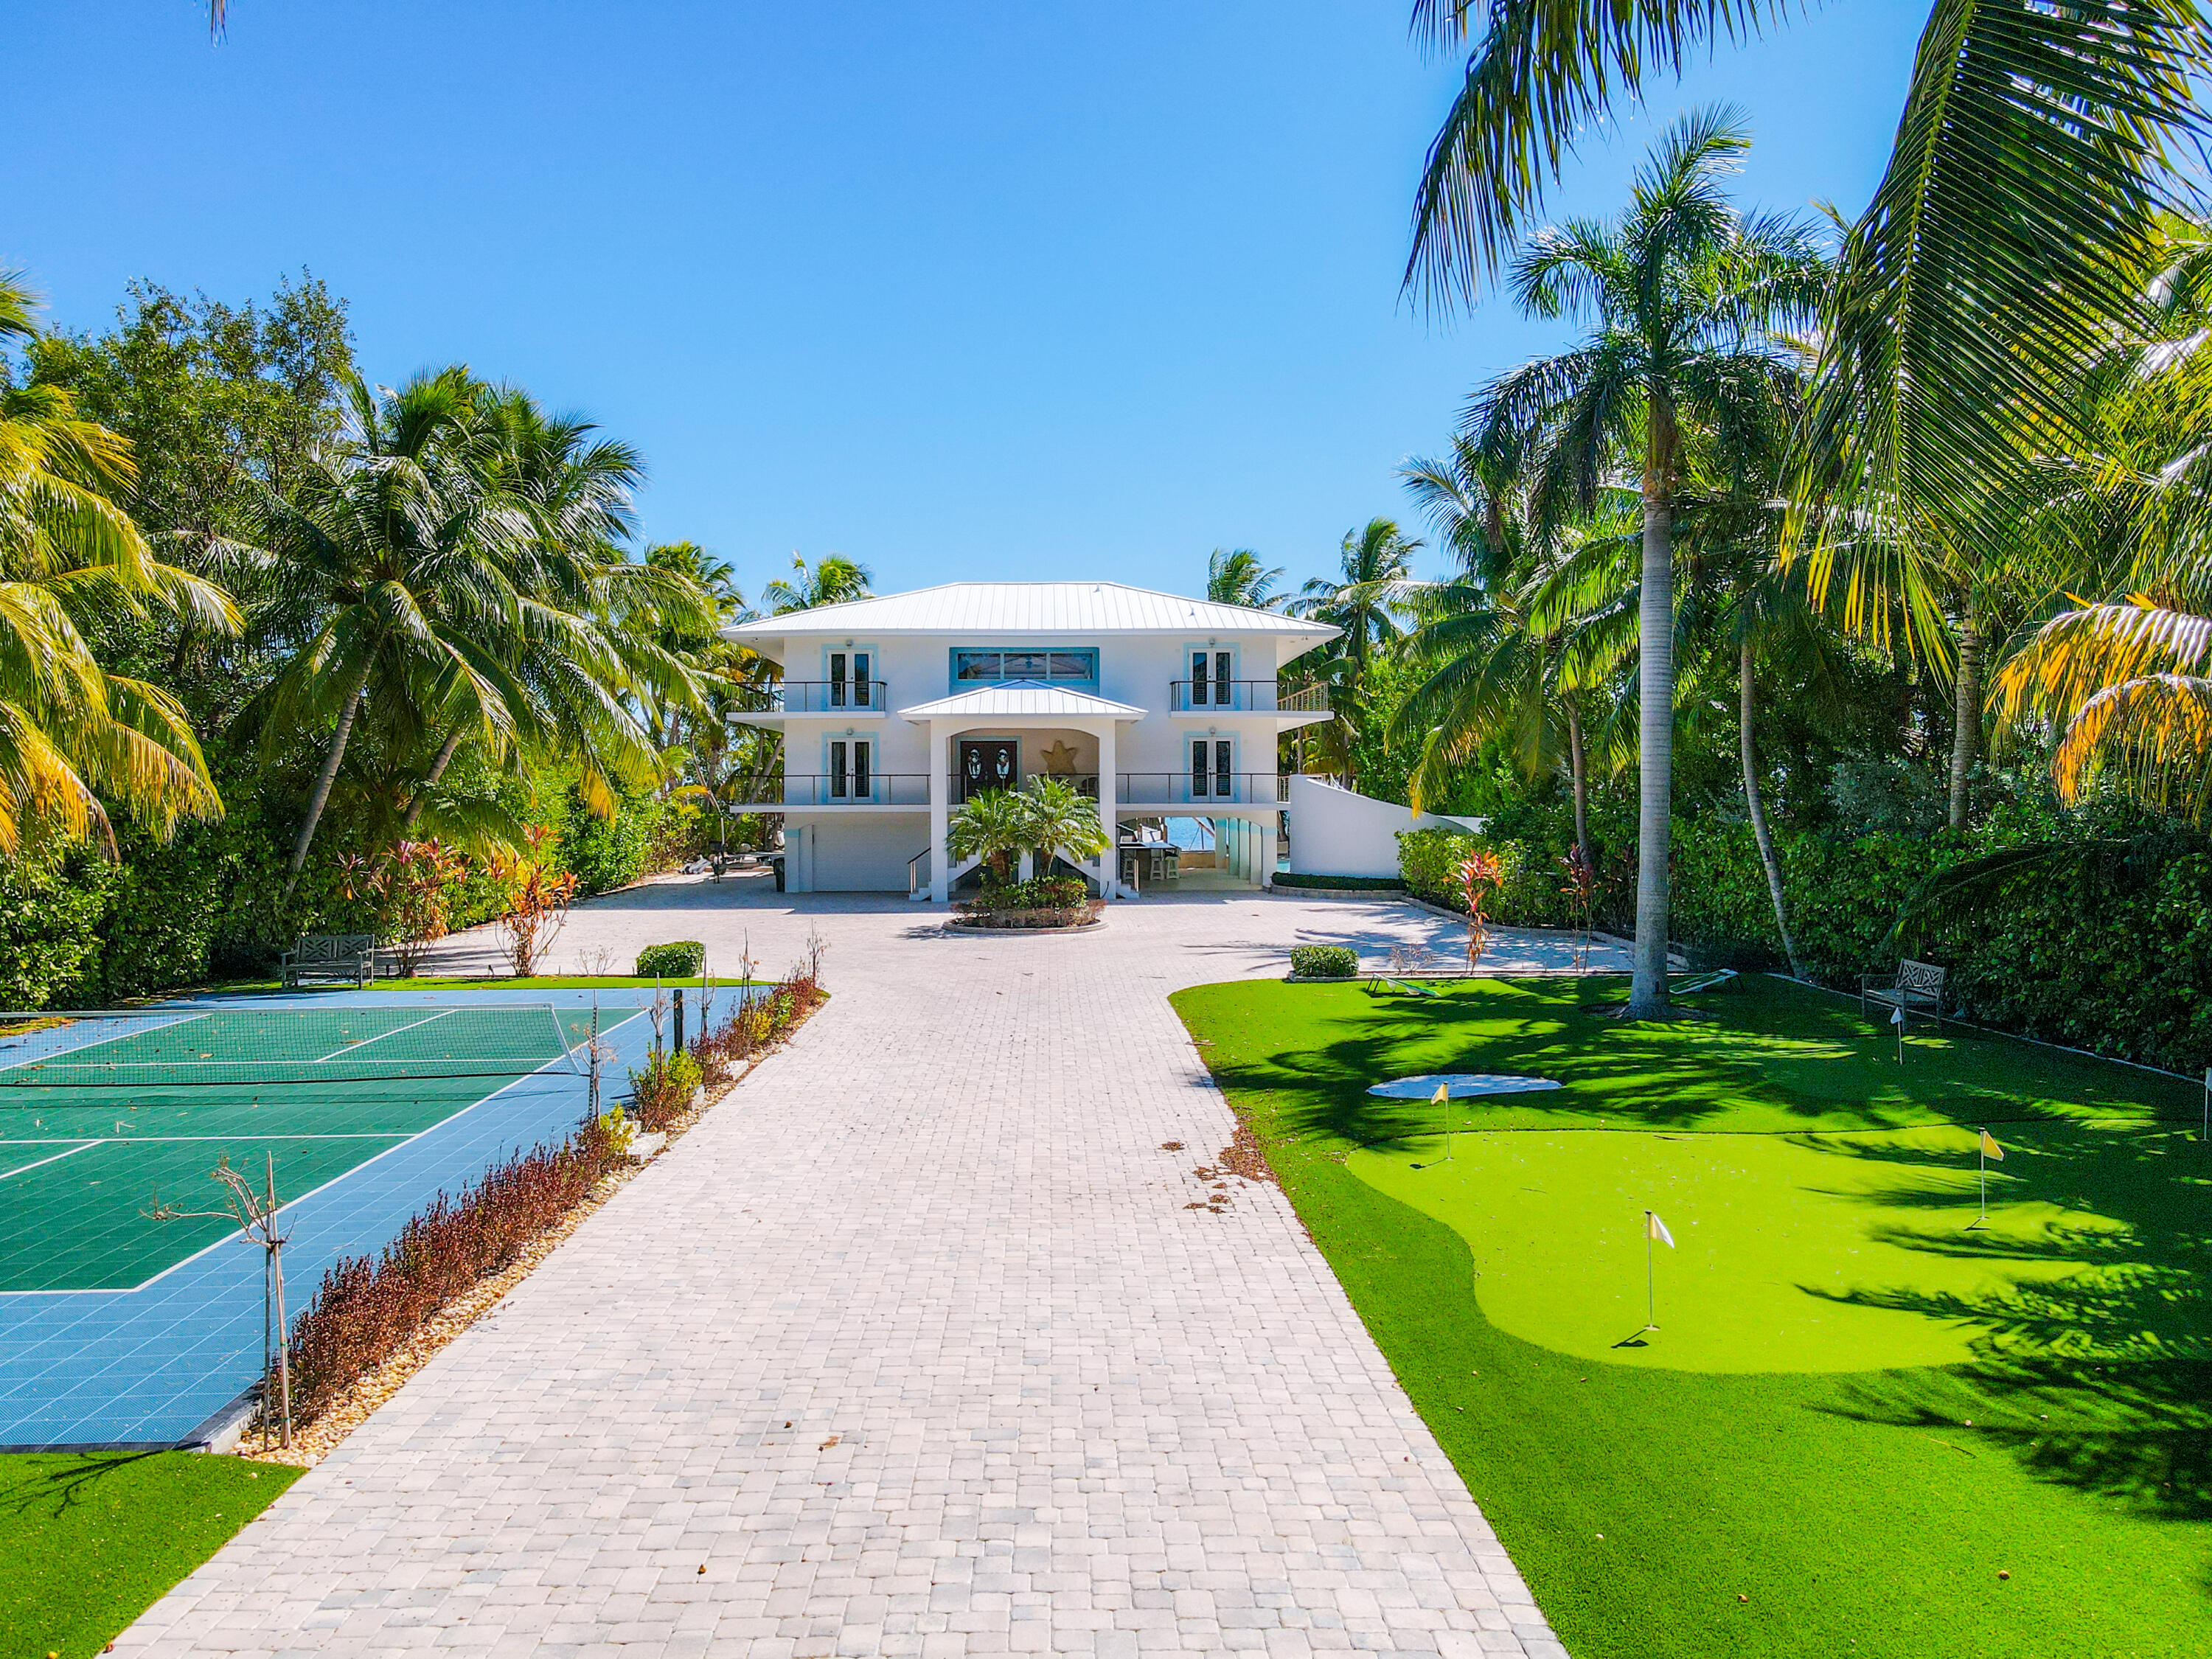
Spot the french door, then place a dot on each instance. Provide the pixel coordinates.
(989, 764)
(848, 679)
(1212, 774)
(851, 771)
(1209, 679)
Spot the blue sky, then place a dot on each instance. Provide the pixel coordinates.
(962, 290)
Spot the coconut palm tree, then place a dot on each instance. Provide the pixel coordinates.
(73, 737)
(1684, 296)
(1365, 599)
(393, 564)
(833, 579)
(1236, 577)
(2030, 162)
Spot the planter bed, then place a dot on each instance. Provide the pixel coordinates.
(1068, 919)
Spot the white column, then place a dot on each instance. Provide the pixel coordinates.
(940, 818)
(1109, 862)
(1267, 854)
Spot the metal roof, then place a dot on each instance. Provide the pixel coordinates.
(1022, 697)
(987, 609)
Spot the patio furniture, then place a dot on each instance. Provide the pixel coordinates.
(331, 959)
(1917, 988)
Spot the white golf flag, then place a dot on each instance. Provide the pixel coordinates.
(1896, 1016)
(1654, 1228)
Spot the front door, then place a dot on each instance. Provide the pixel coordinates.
(989, 764)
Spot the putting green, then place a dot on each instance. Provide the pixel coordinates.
(1779, 1472)
(1811, 1253)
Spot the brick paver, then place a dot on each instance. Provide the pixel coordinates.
(911, 1346)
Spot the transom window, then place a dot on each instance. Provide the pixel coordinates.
(1052, 668)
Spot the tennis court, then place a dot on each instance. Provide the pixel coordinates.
(103, 1117)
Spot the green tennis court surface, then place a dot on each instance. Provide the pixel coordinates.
(101, 1117)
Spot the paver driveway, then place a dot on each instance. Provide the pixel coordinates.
(913, 1346)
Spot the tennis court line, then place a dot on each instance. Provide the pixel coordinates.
(183, 1018)
(355, 1048)
(217, 1244)
(42, 1162)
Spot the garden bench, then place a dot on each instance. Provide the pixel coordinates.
(1917, 988)
(331, 959)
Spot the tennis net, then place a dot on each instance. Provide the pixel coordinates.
(171, 1047)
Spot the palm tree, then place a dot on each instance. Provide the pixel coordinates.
(834, 579)
(73, 736)
(996, 825)
(2030, 162)
(1682, 292)
(1064, 820)
(1237, 577)
(393, 561)
(1364, 600)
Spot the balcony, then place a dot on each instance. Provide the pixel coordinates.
(816, 697)
(832, 789)
(1245, 697)
(1201, 789)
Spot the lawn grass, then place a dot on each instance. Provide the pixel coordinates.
(1797, 1431)
(90, 1542)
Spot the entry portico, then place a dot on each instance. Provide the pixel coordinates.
(1023, 707)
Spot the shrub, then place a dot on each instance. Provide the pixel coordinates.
(661, 1091)
(1341, 884)
(1324, 961)
(681, 959)
(50, 914)
(1044, 893)
(367, 1307)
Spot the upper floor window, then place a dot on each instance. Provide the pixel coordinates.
(1051, 667)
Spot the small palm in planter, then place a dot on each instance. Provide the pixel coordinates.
(1049, 818)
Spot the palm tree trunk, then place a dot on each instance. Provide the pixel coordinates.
(1578, 769)
(430, 782)
(324, 780)
(1745, 705)
(1647, 994)
(1967, 715)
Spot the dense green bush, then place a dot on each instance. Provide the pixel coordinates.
(1341, 884)
(681, 959)
(2113, 956)
(50, 907)
(604, 854)
(1324, 961)
(1043, 893)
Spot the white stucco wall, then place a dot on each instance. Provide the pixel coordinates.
(861, 852)
(1335, 832)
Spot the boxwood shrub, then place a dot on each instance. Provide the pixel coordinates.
(681, 959)
(1324, 961)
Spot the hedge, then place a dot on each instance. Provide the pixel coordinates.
(1324, 961)
(2116, 963)
(681, 959)
(1341, 884)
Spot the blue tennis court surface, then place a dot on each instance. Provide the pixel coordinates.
(115, 1330)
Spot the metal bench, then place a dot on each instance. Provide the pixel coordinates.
(331, 959)
(1917, 988)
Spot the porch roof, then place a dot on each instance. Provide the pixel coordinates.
(1032, 699)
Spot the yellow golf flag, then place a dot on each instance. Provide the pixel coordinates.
(1990, 1147)
(1654, 1228)
(1442, 1095)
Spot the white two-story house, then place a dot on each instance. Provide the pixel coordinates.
(895, 710)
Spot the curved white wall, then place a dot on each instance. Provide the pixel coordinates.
(1337, 832)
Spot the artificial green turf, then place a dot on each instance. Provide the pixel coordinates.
(87, 1543)
(1856, 1508)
